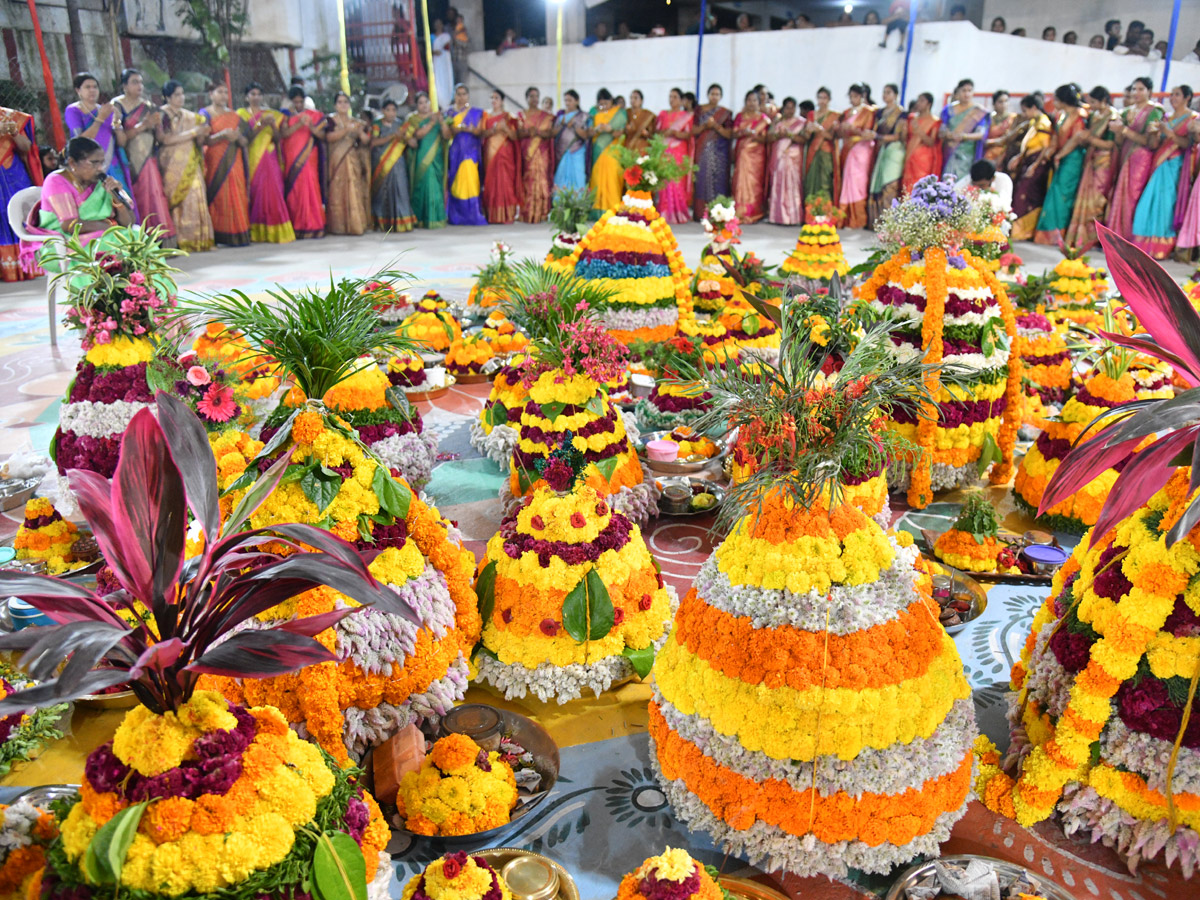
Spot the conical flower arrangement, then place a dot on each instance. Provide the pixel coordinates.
(571, 597)
(632, 251)
(1076, 292)
(712, 285)
(951, 310)
(775, 729)
(1046, 361)
(119, 292)
(387, 672)
(1103, 718)
(818, 255)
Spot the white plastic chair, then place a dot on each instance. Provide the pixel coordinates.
(19, 208)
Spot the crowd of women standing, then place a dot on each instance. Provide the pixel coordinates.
(233, 176)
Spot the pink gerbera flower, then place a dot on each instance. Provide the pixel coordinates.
(218, 405)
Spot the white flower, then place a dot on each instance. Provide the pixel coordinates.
(642, 160)
(651, 178)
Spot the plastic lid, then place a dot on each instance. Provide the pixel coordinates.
(1042, 553)
(474, 720)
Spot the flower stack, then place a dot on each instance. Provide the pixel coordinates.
(972, 543)
(387, 671)
(491, 282)
(391, 306)
(1102, 710)
(432, 327)
(251, 376)
(632, 250)
(117, 299)
(570, 595)
(26, 833)
(502, 334)
(459, 789)
(568, 393)
(749, 330)
(775, 729)
(407, 371)
(947, 307)
(818, 255)
(676, 398)
(46, 536)
(1075, 289)
(497, 430)
(457, 876)
(1045, 358)
(467, 355)
(712, 285)
(672, 875)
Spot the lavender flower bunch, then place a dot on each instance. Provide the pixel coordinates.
(932, 215)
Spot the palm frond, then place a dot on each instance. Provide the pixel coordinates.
(541, 300)
(315, 336)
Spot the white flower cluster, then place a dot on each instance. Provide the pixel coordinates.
(651, 179)
(501, 251)
(630, 318)
(497, 446)
(627, 222)
(16, 827)
(380, 887)
(413, 454)
(638, 503)
(722, 214)
(637, 202)
(90, 419)
(643, 159)
(942, 477)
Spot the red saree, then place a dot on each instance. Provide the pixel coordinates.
(225, 179)
(301, 178)
(750, 170)
(537, 165)
(501, 170)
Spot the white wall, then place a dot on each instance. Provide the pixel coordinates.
(1087, 17)
(798, 62)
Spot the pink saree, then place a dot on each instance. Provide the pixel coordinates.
(786, 195)
(858, 156)
(675, 199)
(1137, 163)
(749, 169)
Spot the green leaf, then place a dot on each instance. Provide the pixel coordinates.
(989, 453)
(485, 588)
(248, 477)
(750, 325)
(53, 452)
(364, 528)
(588, 610)
(395, 395)
(484, 651)
(105, 856)
(296, 473)
(279, 438)
(394, 497)
(607, 467)
(339, 870)
(553, 410)
(642, 660)
(496, 414)
(595, 405)
(321, 486)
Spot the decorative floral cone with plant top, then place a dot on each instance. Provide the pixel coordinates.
(570, 596)
(818, 256)
(570, 217)
(196, 795)
(1046, 360)
(712, 285)
(673, 401)
(972, 543)
(385, 672)
(491, 281)
(1104, 724)
(672, 875)
(809, 712)
(457, 876)
(255, 386)
(119, 289)
(1076, 291)
(632, 252)
(952, 311)
(431, 328)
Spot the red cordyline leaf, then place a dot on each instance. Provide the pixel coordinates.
(1159, 303)
(1082, 465)
(1145, 475)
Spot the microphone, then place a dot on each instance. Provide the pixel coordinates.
(118, 193)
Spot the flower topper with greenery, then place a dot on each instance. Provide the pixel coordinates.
(932, 215)
(823, 210)
(542, 301)
(119, 285)
(721, 223)
(651, 169)
(195, 605)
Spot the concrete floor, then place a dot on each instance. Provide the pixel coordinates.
(33, 376)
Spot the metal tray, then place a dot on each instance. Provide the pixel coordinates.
(15, 492)
(432, 393)
(950, 577)
(710, 486)
(497, 857)
(1005, 869)
(534, 738)
(689, 466)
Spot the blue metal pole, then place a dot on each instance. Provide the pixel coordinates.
(700, 44)
(1170, 44)
(908, 37)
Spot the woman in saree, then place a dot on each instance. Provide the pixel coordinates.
(857, 128)
(1095, 184)
(346, 205)
(136, 119)
(1134, 133)
(269, 220)
(462, 128)
(1188, 209)
(607, 131)
(501, 164)
(20, 167)
(750, 161)
(965, 127)
(88, 117)
(675, 124)
(1000, 131)
(785, 205)
(79, 198)
(225, 170)
(1154, 217)
(390, 202)
(535, 128)
(301, 166)
(640, 127)
(570, 145)
(923, 152)
(714, 131)
(180, 133)
(1030, 168)
(426, 164)
(821, 176)
(1070, 142)
(890, 134)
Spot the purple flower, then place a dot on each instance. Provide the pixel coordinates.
(358, 817)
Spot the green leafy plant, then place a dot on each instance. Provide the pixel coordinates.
(541, 300)
(220, 24)
(571, 210)
(652, 168)
(978, 518)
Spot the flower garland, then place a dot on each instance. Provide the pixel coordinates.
(460, 789)
(1010, 423)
